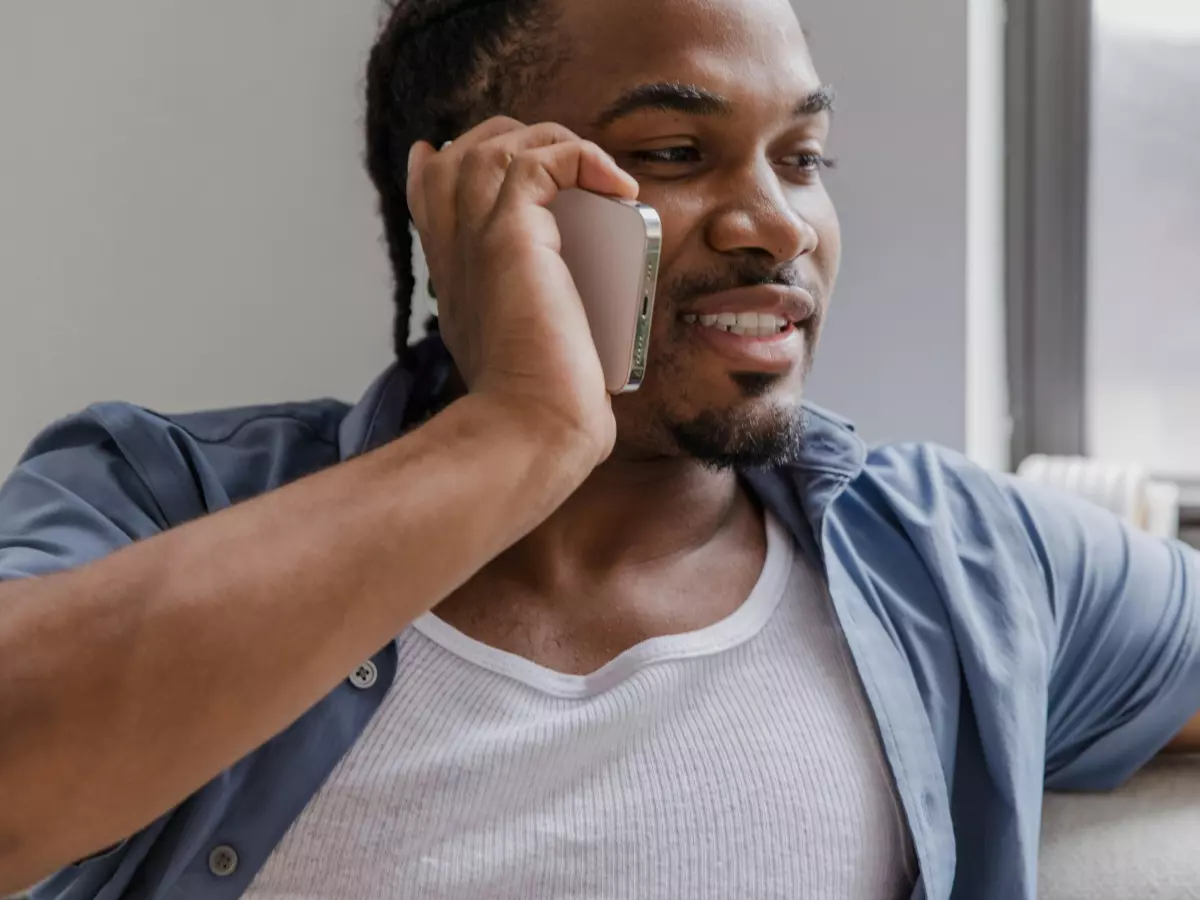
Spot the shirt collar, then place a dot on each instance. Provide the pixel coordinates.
(400, 399)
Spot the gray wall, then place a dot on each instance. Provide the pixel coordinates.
(184, 221)
(914, 347)
(183, 217)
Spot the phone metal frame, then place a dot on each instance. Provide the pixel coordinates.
(648, 292)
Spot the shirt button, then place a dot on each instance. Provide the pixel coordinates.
(223, 861)
(365, 676)
(929, 799)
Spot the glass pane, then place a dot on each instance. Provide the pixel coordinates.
(1144, 295)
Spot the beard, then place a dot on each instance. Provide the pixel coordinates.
(737, 440)
(756, 434)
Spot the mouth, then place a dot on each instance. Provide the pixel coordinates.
(762, 311)
(758, 328)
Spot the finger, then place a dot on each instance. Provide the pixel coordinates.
(485, 166)
(438, 183)
(418, 157)
(538, 176)
(480, 134)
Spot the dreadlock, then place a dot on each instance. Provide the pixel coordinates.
(438, 68)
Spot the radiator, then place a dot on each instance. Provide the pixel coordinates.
(1126, 490)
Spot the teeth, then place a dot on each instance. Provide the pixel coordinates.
(748, 324)
(769, 324)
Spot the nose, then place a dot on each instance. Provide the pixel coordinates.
(761, 218)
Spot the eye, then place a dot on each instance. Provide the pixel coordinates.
(809, 163)
(668, 155)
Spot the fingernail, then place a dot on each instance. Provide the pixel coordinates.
(411, 150)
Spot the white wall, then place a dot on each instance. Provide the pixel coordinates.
(915, 346)
(184, 219)
(989, 421)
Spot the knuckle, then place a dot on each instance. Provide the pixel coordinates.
(483, 158)
(473, 160)
(556, 132)
(526, 165)
(532, 171)
(431, 174)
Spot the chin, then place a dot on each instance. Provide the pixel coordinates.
(725, 419)
(757, 434)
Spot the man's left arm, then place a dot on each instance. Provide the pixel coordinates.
(1188, 740)
(1125, 678)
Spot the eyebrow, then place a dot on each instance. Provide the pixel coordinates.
(696, 101)
(823, 99)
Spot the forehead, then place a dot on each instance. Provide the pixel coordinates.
(751, 51)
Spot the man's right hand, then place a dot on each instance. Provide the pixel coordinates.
(509, 310)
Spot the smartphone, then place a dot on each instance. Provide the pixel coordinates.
(612, 249)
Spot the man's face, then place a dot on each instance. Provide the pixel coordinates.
(715, 107)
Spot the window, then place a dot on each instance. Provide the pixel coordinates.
(1143, 351)
(1143, 241)
(1104, 232)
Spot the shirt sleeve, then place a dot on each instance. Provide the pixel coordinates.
(74, 498)
(1125, 605)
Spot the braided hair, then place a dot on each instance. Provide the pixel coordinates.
(438, 68)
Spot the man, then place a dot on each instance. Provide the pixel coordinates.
(691, 642)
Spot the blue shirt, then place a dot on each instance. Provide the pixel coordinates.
(1007, 639)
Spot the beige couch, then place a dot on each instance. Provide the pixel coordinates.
(1140, 843)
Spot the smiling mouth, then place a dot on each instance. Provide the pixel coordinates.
(746, 324)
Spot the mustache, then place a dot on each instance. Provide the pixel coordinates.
(742, 275)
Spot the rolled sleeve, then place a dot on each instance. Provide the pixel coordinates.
(1126, 609)
(72, 499)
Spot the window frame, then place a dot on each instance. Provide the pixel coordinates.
(1048, 120)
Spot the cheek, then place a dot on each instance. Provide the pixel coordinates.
(682, 378)
(682, 214)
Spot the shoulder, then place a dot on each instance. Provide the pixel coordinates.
(1046, 543)
(966, 522)
(938, 484)
(186, 464)
(911, 466)
(123, 422)
(934, 482)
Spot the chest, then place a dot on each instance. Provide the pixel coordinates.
(750, 772)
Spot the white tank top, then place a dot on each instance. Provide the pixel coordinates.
(739, 761)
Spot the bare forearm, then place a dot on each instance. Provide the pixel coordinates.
(1188, 740)
(126, 685)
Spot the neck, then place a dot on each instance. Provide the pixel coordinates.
(631, 514)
